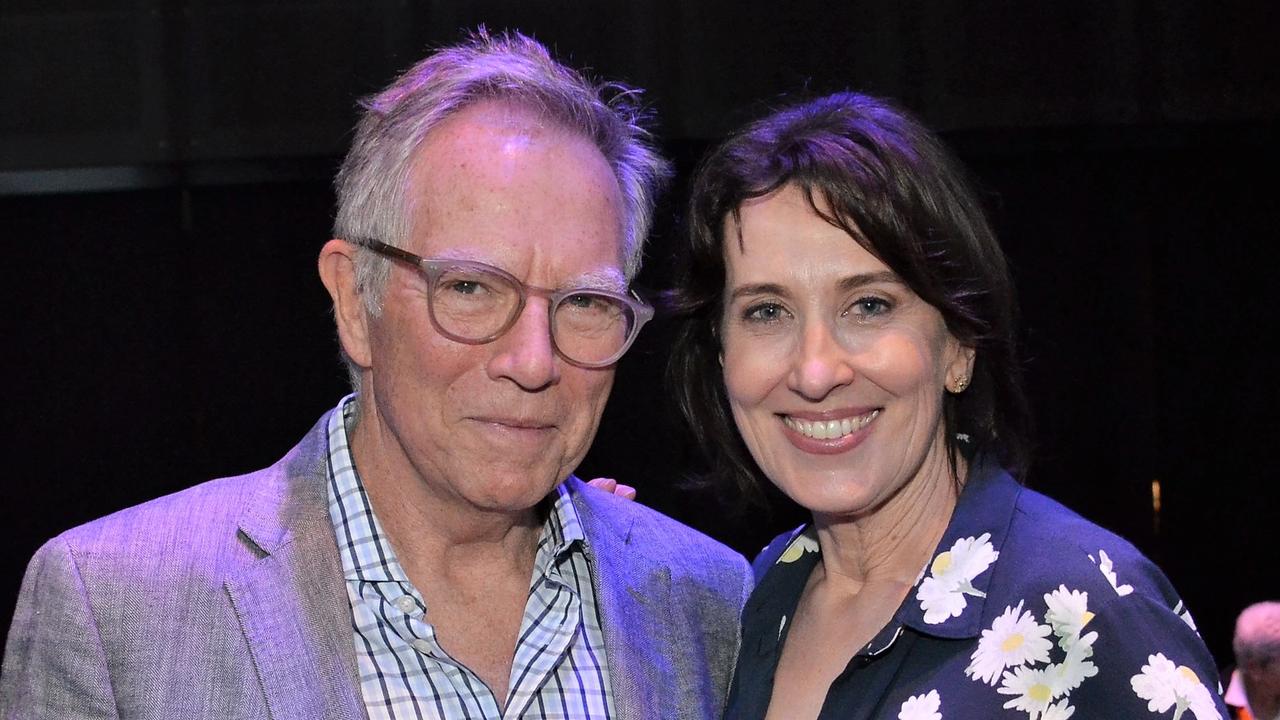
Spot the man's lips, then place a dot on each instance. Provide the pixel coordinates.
(515, 423)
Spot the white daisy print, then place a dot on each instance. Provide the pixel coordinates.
(1182, 612)
(1164, 685)
(798, 547)
(1068, 613)
(922, 707)
(939, 602)
(1031, 689)
(951, 577)
(1109, 572)
(1015, 638)
(1075, 668)
(1058, 711)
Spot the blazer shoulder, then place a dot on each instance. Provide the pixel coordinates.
(168, 520)
(663, 539)
(267, 500)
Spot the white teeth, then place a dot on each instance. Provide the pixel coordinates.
(830, 429)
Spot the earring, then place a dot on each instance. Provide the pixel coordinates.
(959, 385)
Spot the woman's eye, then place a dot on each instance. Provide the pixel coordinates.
(869, 307)
(764, 312)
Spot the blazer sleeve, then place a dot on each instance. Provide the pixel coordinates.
(55, 665)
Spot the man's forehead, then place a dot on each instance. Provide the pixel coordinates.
(514, 126)
(490, 149)
(498, 184)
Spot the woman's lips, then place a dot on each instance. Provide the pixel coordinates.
(826, 435)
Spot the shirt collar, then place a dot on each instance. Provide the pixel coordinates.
(366, 551)
(562, 533)
(949, 599)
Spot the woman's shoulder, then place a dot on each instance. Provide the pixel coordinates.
(1083, 612)
(794, 542)
(1050, 545)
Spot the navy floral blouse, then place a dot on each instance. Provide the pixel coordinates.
(1026, 611)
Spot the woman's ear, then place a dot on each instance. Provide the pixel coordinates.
(960, 369)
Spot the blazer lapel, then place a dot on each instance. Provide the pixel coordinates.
(292, 602)
(634, 596)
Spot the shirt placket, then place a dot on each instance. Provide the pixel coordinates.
(551, 622)
(405, 612)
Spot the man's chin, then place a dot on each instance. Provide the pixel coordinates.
(512, 492)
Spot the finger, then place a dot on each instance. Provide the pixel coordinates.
(608, 485)
(625, 491)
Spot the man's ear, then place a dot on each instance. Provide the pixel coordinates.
(338, 273)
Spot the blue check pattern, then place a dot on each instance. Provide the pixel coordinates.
(559, 671)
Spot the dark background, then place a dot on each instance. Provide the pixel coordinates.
(164, 191)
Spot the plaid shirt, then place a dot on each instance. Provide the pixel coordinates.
(559, 671)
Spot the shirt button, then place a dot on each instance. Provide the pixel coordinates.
(406, 604)
(422, 646)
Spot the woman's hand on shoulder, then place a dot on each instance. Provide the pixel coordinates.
(613, 487)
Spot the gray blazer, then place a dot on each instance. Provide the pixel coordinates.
(227, 600)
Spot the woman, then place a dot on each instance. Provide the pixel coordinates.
(844, 283)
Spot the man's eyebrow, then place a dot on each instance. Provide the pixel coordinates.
(610, 279)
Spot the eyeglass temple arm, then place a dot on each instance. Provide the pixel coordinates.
(389, 250)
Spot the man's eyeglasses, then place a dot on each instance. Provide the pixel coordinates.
(474, 303)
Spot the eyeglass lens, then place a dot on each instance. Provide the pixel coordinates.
(475, 305)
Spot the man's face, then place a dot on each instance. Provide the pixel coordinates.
(494, 427)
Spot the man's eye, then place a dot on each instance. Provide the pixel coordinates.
(466, 286)
(585, 301)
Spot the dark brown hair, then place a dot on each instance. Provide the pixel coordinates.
(888, 182)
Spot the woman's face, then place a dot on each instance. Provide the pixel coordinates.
(835, 370)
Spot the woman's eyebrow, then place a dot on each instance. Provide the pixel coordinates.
(856, 281)
(753, 289)
(851, 282)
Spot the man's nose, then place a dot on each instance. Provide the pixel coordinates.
(820, 364)
(525, 354)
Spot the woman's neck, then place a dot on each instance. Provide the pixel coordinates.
(895, 540)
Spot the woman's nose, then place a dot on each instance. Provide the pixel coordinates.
(821, 364)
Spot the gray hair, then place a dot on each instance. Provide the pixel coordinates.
(1257, 636)
(509, 66)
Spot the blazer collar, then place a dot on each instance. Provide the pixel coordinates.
(292, 601)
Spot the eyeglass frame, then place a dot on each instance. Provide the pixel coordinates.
(432, 269)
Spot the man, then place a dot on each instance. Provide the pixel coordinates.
(420, 553)
(1255, 684)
